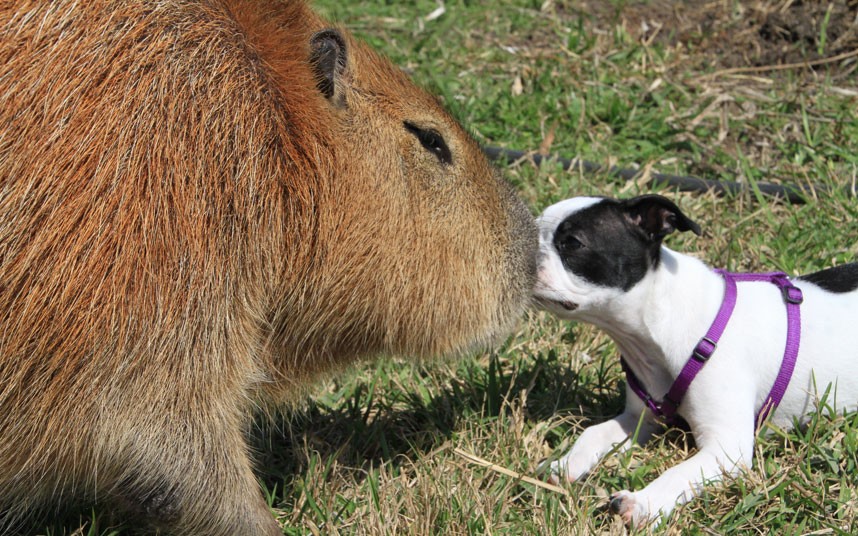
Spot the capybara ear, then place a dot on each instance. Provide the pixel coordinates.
(328, 56)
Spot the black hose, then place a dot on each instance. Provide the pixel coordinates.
(794, 194)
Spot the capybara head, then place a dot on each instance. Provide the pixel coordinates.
(204, 205)
(422, 248)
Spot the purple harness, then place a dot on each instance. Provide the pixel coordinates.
(792, 295)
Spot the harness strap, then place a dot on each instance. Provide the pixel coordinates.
(704, 349)
(702, 352)
(793, 298)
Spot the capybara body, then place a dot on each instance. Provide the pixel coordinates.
(203, 206)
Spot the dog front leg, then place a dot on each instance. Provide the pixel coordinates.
(722, 450)
(598, 440)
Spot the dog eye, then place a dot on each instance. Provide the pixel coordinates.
(570, 243)
(432, 141)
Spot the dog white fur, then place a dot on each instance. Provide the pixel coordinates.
(656, 324)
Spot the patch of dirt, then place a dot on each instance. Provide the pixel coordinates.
(731, 34)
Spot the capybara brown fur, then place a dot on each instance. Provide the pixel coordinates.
(203, 206)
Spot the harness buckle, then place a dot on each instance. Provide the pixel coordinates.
(704, 349)
(792, 294)
(668, 407)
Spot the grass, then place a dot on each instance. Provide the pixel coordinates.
(396, 447)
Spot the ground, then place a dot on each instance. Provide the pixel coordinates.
(738, 34)
(760, 91)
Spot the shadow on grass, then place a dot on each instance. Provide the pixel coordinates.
(367, 429)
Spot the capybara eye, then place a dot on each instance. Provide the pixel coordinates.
(432, 141)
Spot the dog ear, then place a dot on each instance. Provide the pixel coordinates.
(657, 216)
(328, 58)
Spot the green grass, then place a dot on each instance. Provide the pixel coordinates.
(392, 447)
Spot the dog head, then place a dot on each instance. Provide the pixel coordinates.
(594, 250)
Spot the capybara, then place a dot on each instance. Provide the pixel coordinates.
(203, 206)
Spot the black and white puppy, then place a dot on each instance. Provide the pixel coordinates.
(602, 261)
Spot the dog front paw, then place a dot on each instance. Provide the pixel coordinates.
(634, 512)
(566, 469)
(553, 472)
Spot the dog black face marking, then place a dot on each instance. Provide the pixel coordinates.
(614, 243)
(602, 246)
(839, 279)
